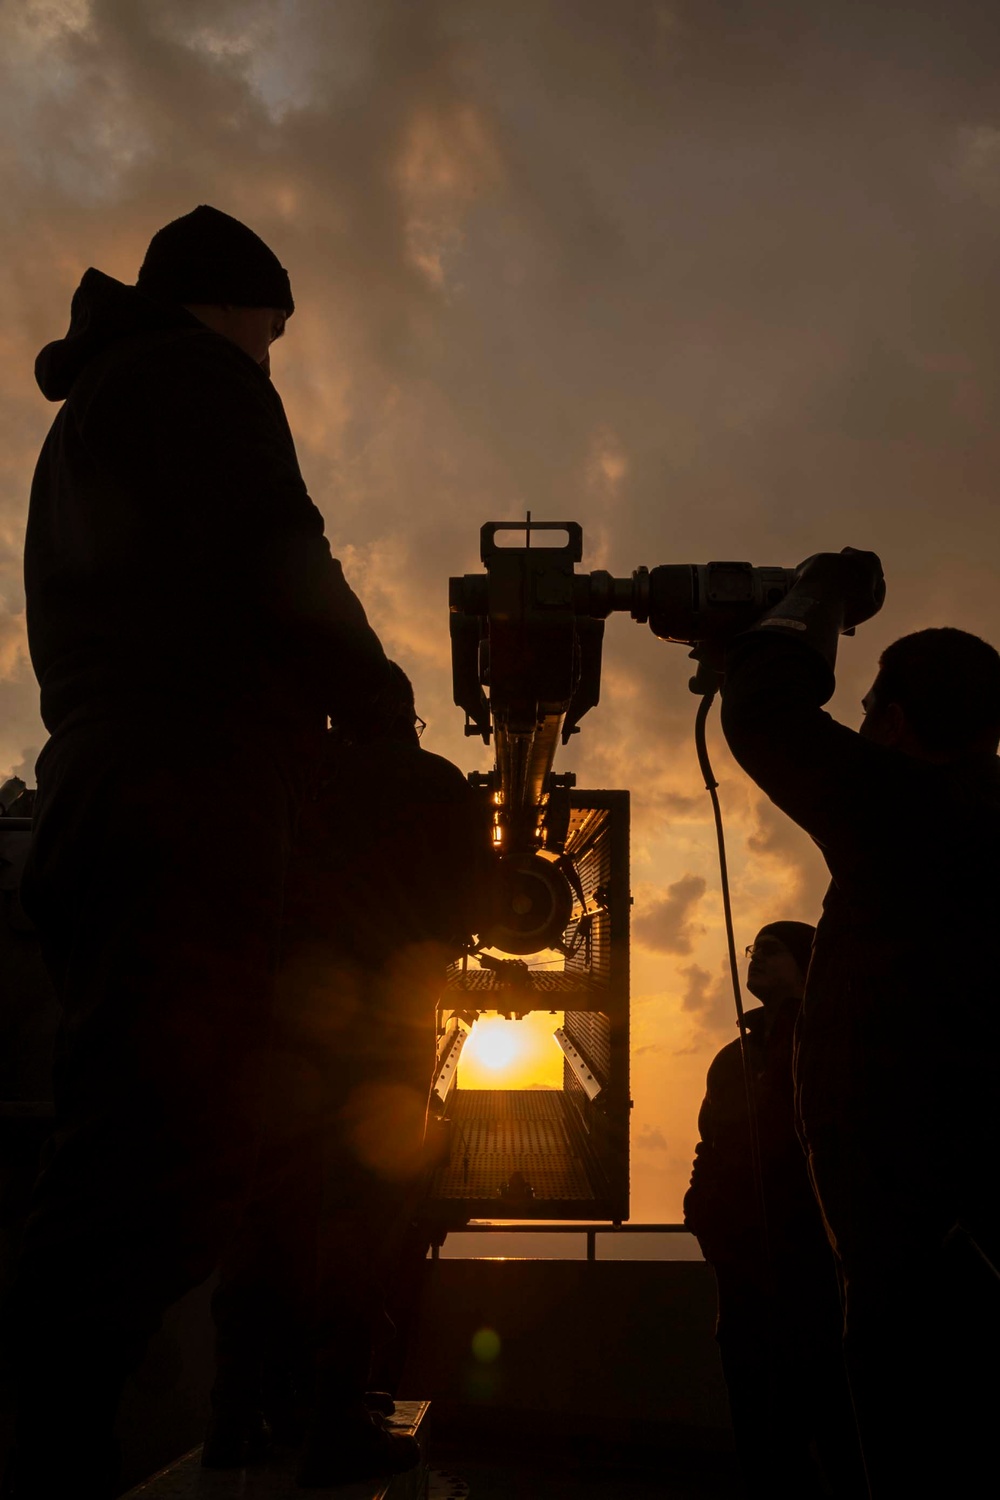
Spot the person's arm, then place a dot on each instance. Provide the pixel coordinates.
(826, 777)
(705, 1208)
(701, 1167)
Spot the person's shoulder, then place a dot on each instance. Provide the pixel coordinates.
(201, 350)
(725, 1061)
(195, 362)
(422, 774)
(437, 770)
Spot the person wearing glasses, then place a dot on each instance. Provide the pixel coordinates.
(752, 1209)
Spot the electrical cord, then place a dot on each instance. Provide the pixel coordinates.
(711, 786)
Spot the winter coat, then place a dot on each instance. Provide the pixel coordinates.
(174, 562)
(899, 1035)
(722, 1206)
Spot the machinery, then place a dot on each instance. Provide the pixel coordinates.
(526, 638)
(526, 654)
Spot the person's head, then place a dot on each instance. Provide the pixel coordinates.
(224, 274)
(936, 696)
(779, 959)
(395, 714)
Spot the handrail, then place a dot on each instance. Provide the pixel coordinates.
(590, 1230)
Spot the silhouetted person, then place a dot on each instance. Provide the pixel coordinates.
(898, 1060)
(190, 633)
(517, 1187)
(389, 878)
(779, 1328)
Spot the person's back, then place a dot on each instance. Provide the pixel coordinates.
(174, 562)
(191, 633)
(904, 981)
(898, 1063)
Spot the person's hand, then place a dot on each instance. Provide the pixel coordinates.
(711, 670)
(854, 575)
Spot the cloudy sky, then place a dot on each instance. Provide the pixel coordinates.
(716, 278)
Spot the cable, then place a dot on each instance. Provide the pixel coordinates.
(711, 786)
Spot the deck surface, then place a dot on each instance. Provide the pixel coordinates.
(476, 1468)
(501, 1131)
(274, 1479)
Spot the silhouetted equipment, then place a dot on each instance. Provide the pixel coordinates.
(526, 642)
(11, 792)
(527, 637)
(570, 1144)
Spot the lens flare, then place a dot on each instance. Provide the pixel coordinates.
(486, 1345)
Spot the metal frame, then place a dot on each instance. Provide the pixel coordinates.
(593, 992)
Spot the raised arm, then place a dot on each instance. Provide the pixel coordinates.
(778, 676)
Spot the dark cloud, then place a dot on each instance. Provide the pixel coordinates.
(709, 997)
(650, 1140)
(716, 280)
(668, 926)
(778, 840)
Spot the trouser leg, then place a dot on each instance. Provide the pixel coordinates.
(746, 1368)
(157, 893)
(769, 1373)
(890, 1214)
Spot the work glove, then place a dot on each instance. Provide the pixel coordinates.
(831, 594)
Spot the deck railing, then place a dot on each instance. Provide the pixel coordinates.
(590, 1230)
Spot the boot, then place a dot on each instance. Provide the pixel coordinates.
(354, 1446)
(234, 1439)
(380, 1402)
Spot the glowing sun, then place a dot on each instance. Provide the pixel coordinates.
(495, 1044)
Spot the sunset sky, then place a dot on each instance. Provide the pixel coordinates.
(716, 278)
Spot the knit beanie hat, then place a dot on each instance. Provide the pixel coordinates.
(208, 256)
(797, 938)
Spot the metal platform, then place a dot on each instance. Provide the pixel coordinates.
(541, 1154)
(499, 1132)
(274, 1479)
(561, 990)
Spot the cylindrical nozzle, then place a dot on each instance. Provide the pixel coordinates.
(686, 601)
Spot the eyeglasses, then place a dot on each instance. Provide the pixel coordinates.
(763, 948)
(419, 725)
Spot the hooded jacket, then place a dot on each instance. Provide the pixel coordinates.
(721, 1206)
(173, 560)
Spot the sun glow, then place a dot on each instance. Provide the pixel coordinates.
(501, 1054)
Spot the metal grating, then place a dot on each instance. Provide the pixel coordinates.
(589, 846)
(483, 981)
(572, 1149)
(591, 1032)
(500, 1131)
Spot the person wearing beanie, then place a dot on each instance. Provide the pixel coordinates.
(192, 635)
(209, 258)
(761, 1230)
